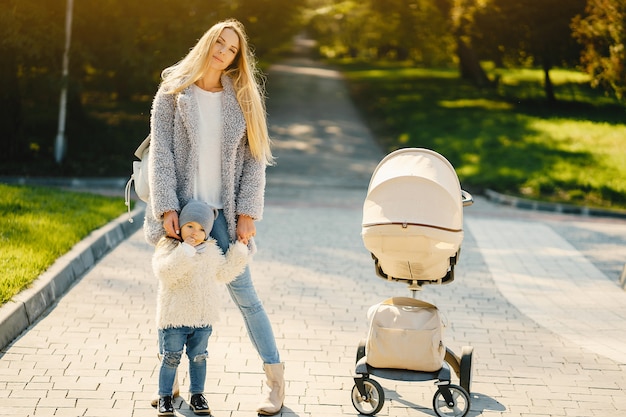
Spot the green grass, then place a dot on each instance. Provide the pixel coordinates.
(507, 138)
(38, 225)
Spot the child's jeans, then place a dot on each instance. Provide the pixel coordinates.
(171, 344)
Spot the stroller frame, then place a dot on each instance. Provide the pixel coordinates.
(449, 400)
(368, 396)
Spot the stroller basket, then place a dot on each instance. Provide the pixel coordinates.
(413, 217)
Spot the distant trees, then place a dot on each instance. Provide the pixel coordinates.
(535, 32)
(414, 30)
(461, 22)
(443, 32)
(125, 44)
(31, 41)
(118, 47)
(545, 33)
(602, 33)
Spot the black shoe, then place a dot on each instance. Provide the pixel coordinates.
(165, 407)
(199, 405)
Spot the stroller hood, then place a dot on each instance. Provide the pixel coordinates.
(414, 186)
(413, 215)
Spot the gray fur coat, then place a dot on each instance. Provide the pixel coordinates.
(174, 157)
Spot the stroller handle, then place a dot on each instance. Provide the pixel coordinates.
(468, 200)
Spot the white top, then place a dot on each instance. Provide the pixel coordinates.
(208, 183)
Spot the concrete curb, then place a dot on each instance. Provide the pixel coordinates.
(27, 306)
(522, 203)
(117, 183)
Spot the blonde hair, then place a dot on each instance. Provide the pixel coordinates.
(243, 71)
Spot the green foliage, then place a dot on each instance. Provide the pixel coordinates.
(270, 24)
(511, 140)
(535, 32)
(395, 29)
(38, 225)
(125, 44)
(602, 32)
(101, 144)
(118, 50)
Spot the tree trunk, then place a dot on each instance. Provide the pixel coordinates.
(469, 65)
(547, 84)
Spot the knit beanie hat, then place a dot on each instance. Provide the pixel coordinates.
(199, 212)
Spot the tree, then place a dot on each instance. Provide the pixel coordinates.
(461, 20)
(411, 30)
(118, 50)
(270, 24)
(338, 27)
(30, 45)
(535, 32)
(602, 33)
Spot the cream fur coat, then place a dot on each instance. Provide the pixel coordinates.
(189, 281)
(174, 159)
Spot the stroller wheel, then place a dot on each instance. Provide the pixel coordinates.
(373, 400)
(459, 405)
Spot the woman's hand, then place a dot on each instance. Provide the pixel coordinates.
(245, 228)
(170, 224)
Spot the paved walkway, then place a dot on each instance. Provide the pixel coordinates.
(536, 294)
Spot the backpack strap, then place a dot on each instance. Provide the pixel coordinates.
(129, 183)
(144, 145)
(139, 153)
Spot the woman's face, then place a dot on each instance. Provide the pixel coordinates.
(225, 50)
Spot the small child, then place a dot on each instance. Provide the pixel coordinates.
(188, 301)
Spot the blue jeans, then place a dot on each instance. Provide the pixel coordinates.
(171, 344)
(242, 292)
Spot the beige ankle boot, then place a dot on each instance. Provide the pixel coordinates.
(273, 400)
(154, 401)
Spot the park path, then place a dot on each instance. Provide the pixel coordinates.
(536, 294)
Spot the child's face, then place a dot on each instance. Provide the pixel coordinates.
(193, 233)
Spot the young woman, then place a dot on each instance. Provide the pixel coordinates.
(209, 108)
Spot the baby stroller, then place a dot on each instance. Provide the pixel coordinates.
(413, 228)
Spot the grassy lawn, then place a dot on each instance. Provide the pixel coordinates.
(508, 138)
(38, 225)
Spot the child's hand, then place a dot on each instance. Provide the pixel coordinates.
(191, 241)
(241, 247)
